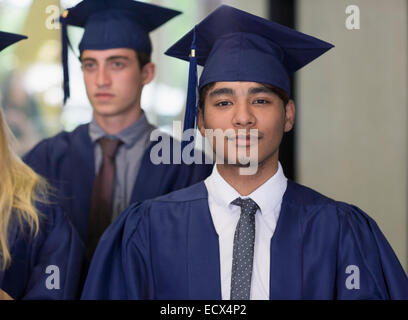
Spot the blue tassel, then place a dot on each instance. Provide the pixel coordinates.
(191, 106)
(65, 43)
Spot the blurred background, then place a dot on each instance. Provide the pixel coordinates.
(350, 138)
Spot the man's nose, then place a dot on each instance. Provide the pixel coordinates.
(243, 117)
(103, 77)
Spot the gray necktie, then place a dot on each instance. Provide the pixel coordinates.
(243, 253)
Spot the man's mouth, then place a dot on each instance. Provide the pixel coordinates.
(104, 95)
(245, 139)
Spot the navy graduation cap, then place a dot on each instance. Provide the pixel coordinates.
(7, 39)
(112, 24)
(234, 45)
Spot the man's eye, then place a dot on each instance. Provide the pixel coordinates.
(223, 104)
(117, 65)
(89, 66)
(261, 101)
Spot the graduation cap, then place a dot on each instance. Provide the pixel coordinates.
(7, 39)
(234, 45)
(112, 24)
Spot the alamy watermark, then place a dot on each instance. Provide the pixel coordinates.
(52, 21)
(234, 147)
(353, 280)
(353, 19)
(52, 282)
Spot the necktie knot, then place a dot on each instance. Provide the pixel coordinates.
(109, 146)
(248, 206)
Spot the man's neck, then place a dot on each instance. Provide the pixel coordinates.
(246, 184)
(114, 124)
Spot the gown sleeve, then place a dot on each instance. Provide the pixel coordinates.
(367, 266)
(120, 267)
(47, 266)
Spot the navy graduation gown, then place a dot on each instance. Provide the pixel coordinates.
(47, 265)
(67, 162)
(167, 248)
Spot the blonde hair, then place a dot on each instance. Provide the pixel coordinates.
(20, 189)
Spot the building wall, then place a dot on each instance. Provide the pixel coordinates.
(352, 111)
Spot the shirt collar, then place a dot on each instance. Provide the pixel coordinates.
(220, 190)
(267, 196)
(270, 194)
(128, 136)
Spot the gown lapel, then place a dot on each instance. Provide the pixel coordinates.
(203, 251)
(148, 174)
(286, 251)
(82, 168)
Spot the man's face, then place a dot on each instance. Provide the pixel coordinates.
(241, 106)
(114, 80)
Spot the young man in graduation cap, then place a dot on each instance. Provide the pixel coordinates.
(238, 236)
(102, 167)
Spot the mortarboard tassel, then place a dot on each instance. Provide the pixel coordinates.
(64, 40)
(191, 105)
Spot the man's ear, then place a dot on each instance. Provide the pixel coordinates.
(290, 115)
(148, 72)
(200, 121)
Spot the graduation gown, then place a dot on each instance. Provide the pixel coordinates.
(67, 162)
(47, 265)
(167, 248)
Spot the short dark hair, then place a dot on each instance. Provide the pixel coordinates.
(202, 94)
(143, 58)
(204, 91)
(279, 92)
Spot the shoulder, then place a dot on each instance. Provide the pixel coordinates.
(300, 195)
(59, 143)
(50, 218)
(52, 221)
(315, 205)
(174, 205)
(194, 192)
(170, 202)
(336, 222)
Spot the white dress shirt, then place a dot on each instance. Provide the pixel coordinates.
(225, 217)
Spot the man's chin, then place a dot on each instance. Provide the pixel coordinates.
(240, 162)
(105, 110)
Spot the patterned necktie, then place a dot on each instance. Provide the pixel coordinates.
(101, 200)
(243, 253)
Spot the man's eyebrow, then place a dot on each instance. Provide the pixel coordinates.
(87, 59)
(108, 59)
(261, 89)
(117, 57)
(221, 91)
